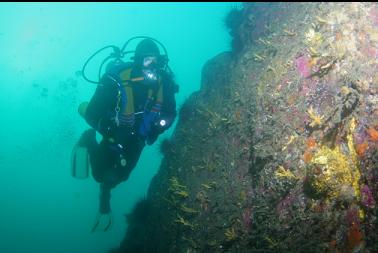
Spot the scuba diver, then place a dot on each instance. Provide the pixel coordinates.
(133, 104)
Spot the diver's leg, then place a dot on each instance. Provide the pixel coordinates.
(88, 140)
(113, 170)
(105, 195)
(104, 218)
(132, 155)
(104, 173)
(101, 159)
(103, 163)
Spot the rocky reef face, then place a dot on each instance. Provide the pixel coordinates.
(278, 150)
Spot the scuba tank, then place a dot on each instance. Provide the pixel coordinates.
(80, 165)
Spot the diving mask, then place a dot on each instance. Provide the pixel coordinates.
(149, 61)
(150, 68)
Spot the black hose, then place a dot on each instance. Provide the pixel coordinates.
(102, 64)
(119, 54)
(91, 57)
(145, 37)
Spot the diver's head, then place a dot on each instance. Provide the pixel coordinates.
(147, 54)
(147, 58)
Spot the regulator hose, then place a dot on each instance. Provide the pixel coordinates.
(118, 54)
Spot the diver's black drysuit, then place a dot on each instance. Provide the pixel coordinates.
(113, 159)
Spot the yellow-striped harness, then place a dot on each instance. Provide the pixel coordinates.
(126, 114)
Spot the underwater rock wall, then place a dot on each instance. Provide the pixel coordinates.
(278, 150)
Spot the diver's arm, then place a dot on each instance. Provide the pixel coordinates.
(96, 113)
(169, 112)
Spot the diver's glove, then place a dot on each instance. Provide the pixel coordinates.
(157, 128)
(153, 134)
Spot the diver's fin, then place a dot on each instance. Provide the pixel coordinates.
(104, 222)
(80, 164)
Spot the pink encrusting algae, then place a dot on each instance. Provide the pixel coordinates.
(367, 198)
(302, 65)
